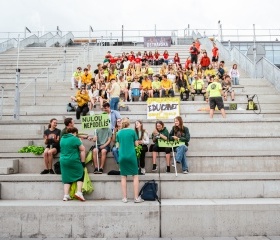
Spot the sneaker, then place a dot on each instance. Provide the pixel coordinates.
(186, 171)
(66, 198)
(95, 171)
(143, 171)
(154, 168)
(124, 200)
(138, 200)
(51, 171)
(100, 171)
(168, 169)
(80, 196)
(46, 171)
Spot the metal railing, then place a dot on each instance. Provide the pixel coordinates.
(44, 74)
(55, 39)
(2, 102)
(28, 41)
(4, 46)
(45, 38)
(66, 39)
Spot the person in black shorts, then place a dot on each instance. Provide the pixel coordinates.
(51, 137)
(215, 92)
(194, 53)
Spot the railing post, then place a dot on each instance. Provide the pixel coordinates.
(254, 52)
(2, 99)
(64, 71)
(35, 89)
(17, 96)
(229, 49)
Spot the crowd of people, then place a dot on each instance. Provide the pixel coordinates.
(131, 77)
(126, 78)
(118, 138)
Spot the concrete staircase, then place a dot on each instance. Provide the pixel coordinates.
(233, 188)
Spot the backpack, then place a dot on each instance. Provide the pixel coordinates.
(149, 191)
(56, 167)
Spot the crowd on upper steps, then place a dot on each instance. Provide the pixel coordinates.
(137, 77)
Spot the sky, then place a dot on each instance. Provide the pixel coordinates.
(78, 15)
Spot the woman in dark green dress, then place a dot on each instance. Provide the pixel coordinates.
(72, 162)
(127, 140)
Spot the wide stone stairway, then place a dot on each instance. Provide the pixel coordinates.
(233, 187)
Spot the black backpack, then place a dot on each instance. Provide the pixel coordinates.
(149, 191)
(57, 167)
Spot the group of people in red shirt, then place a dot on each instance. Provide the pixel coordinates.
(148, 56)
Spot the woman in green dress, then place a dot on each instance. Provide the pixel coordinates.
(127, 140)
(72, 162)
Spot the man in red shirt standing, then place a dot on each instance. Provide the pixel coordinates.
(215, 56)
(194, 53)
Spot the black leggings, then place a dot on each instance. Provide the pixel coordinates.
(83, 109)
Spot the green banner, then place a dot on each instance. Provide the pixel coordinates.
(95, 121)
(164, 143)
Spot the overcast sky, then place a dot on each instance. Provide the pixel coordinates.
(77, 15)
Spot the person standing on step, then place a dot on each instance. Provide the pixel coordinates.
(51, 137)
(143, 137)
(234, 75)
(113, 115)
(72, 163)
(127, 140)
(215, 93)
(115, 92)
(215, 56)
(180, 133)
(114, 147)
(160, 132)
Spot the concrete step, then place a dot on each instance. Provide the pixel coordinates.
(219, 217)
(35, 129)
(198, 162)
(183, 186)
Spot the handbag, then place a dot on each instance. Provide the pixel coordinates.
(56, 167)
(145, 148)
(89, 155)
(149, 191)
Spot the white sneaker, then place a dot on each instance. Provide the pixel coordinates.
(186, 172)
(80, 196)
(143, 171)
(138, 200)
(124, 200)
(66, 198)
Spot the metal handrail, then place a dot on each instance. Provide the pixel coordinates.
(66, 39)
(55, 39)
(11, 43)
(30, 40)
(45, 37)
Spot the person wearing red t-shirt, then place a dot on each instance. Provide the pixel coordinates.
(157, 60)
(215, 56)
(176, 59)
(138, 60)
(204, 61)
(194, 53)
(113, 60)
(151, 58)
(187, 63)
(165, 56)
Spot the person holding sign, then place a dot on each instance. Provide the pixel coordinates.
(160, 132)
(127, 139)
(113, 115)
(180, 133)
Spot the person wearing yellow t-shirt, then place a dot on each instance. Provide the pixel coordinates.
(156, 86)
(197, 87)
(76, 77)
(146, 87)
(166, 87)
(215, 92)
(86, 79)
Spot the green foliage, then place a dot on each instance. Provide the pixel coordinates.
(37, 150)
(138, 151)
